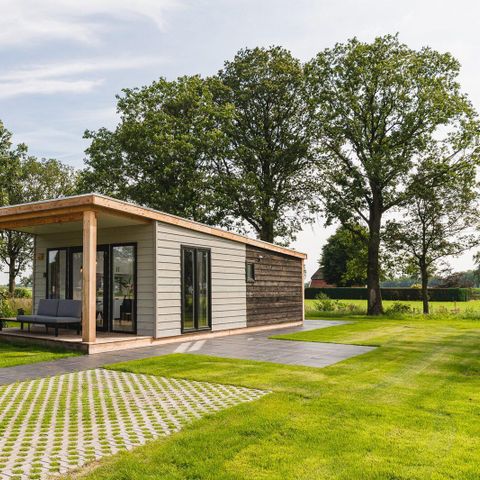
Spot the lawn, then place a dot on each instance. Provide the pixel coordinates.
(12, 354)
(407, 410)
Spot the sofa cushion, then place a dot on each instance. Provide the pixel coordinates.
(47, 307)
(26, 318)
(69, 308)
(44, 319)
(66, 320)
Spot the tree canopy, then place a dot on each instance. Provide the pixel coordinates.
(379, 109)
(24, 178)
(232, 149)
(266, 176)
(441, 217)
(344, 257)
(159, 153)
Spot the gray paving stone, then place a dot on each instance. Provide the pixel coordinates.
(248, 346)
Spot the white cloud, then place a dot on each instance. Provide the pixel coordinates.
(26, 21)
(62, 77)
(47, 86)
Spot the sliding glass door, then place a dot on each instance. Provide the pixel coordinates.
(116, 283)
(195, 289)
(76, 282)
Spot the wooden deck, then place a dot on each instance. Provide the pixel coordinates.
(105, 342)
(108, 342)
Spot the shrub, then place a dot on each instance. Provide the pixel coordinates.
(22, 292)
(4, 307)
(324, 304)
(398, 309)
(19, 292)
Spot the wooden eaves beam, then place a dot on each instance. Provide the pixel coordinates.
(32, 222)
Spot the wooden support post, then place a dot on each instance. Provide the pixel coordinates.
(89, 274)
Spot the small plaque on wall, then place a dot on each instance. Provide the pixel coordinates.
(40, 256)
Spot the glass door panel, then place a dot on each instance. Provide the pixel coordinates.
(188, 289)
(76, 282)
(195, 289)
(57, 273)
(123, 288)
(202, 289)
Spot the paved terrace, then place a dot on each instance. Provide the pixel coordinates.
(248, 346)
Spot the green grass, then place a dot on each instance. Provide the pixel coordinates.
(12, 354)
(407, 410)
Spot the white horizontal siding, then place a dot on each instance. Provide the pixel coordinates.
(142, 235)
(228, 279)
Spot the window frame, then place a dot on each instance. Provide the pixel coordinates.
(248, 278)
(182, 288)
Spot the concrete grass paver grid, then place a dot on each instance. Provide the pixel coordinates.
(51, 425)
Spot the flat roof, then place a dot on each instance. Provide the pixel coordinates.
(23, 213)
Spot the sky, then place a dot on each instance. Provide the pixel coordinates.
(63, 61)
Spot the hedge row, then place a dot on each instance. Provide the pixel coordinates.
(353, 293)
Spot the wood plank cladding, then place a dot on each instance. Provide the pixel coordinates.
(276, 295)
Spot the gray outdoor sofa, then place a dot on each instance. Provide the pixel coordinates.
(55, 313)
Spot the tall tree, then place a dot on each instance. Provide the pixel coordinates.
(441, 217)
(265, 177)
(157, 155)
(378, 108)
(23, 179)
(344, 257)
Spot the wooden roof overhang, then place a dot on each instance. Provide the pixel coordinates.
(53, 215)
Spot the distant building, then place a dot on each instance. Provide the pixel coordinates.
(318, 280)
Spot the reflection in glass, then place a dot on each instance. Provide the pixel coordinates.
(77, 282)
(57, 274)
(188, 290)
(196, 288)
(202, 287)
(123, 288)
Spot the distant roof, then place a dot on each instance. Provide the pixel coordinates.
(103, 202)
(318, 275)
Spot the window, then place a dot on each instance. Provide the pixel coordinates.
(250, 271)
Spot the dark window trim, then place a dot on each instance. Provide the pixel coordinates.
(247, 278)
(182, 288)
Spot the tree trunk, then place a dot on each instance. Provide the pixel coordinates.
(11, 278)
(266, 232)
(375, 306)
(424, 274)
